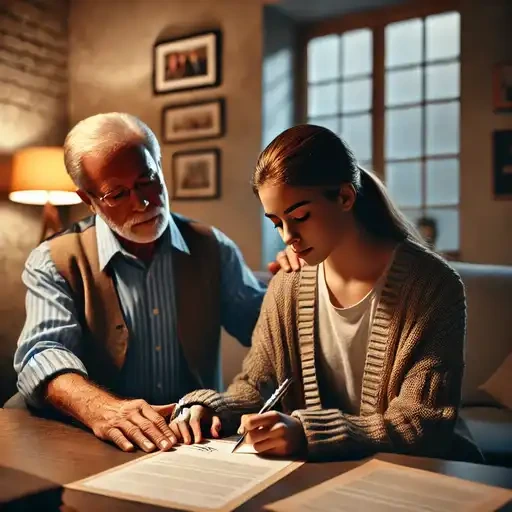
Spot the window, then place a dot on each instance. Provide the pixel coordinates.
(340, 88)
(399, 111)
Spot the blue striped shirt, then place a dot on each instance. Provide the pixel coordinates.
(51, 340)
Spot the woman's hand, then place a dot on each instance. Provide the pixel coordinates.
(189, 424)
(273, 433)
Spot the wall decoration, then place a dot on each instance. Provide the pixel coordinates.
(502, 149)
(196, 174)
(193, 121)
(190, 62)
(502, 88)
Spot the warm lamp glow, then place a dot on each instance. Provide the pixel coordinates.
(39, 177)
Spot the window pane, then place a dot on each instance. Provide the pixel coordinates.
(443, 182)
(443, 36)
(356, 95)
(443, 81)
(323, 58)
(322, 99)
(447, 228)
(404, 183)
(328, 122)
(404, 43)
(356, 52)
(443, 128)
(403, 133)
(357, 131)
(403, 86)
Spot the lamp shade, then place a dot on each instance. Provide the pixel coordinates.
(39, 177)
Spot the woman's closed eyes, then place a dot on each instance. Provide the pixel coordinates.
(305, 217)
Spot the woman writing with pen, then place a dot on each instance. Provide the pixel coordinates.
(371, 329)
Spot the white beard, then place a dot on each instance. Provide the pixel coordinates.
(143, 237)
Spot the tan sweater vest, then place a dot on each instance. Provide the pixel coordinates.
(413, 372)
(105, 335)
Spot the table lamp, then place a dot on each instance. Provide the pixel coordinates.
(39, 177)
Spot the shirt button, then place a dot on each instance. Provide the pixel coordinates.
(157, 348)
(155, 311)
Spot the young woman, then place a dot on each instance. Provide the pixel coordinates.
(371, 330)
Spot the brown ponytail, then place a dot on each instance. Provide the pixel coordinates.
(378, 214)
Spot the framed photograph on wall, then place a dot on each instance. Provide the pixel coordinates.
(193, 121)
(502, 149)
(502, 87)
(190, 62)
(196, 174)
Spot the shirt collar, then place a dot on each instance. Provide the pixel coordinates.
(109, 245)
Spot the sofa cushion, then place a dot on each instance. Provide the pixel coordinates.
(499, 385)
(491, 429)
(488, 341)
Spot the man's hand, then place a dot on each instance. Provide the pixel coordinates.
(286, 260)
(127, 423)
(134, 422)
(273, 433)
(187, 427)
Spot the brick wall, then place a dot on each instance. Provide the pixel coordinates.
(33, 111)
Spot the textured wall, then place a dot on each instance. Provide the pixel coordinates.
(486, 223)
(33, 111)
(33, 73)
(279, 77)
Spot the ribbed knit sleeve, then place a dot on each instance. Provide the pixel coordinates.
(263, 367)
(420, 418)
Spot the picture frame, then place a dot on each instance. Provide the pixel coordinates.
(502, 165)
(189, 62)
(196, 174)
(193, 121)
(502, 87)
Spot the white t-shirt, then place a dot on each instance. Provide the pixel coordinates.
(343, 341)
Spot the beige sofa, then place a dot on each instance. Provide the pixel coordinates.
(488, 342)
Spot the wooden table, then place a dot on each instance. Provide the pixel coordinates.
(39, 456)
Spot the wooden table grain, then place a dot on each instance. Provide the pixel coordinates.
(38, 456)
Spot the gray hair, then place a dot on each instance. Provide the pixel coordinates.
(103, 135)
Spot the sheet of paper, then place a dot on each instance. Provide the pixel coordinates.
(383, 487)
(206, 476)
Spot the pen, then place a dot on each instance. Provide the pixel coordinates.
(274, 398)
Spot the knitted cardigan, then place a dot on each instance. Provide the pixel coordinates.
(413, 371)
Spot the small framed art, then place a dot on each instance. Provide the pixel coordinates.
(196, 174)
(502, 149)
(502, 87)
(193, 121)
(190, 62)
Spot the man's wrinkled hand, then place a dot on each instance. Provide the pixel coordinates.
(131, 423)
(286, 260)
(188, 426)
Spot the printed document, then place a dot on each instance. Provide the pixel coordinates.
(204, 476)
(383, 487)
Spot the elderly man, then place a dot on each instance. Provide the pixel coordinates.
(129, 302)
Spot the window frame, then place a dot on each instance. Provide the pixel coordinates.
(376, 20)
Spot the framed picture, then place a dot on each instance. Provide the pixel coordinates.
(193, 121)
(502, 88)
(190, 62)
(196, 174)
(502, 148)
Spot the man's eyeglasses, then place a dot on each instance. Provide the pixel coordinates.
(149, 189)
